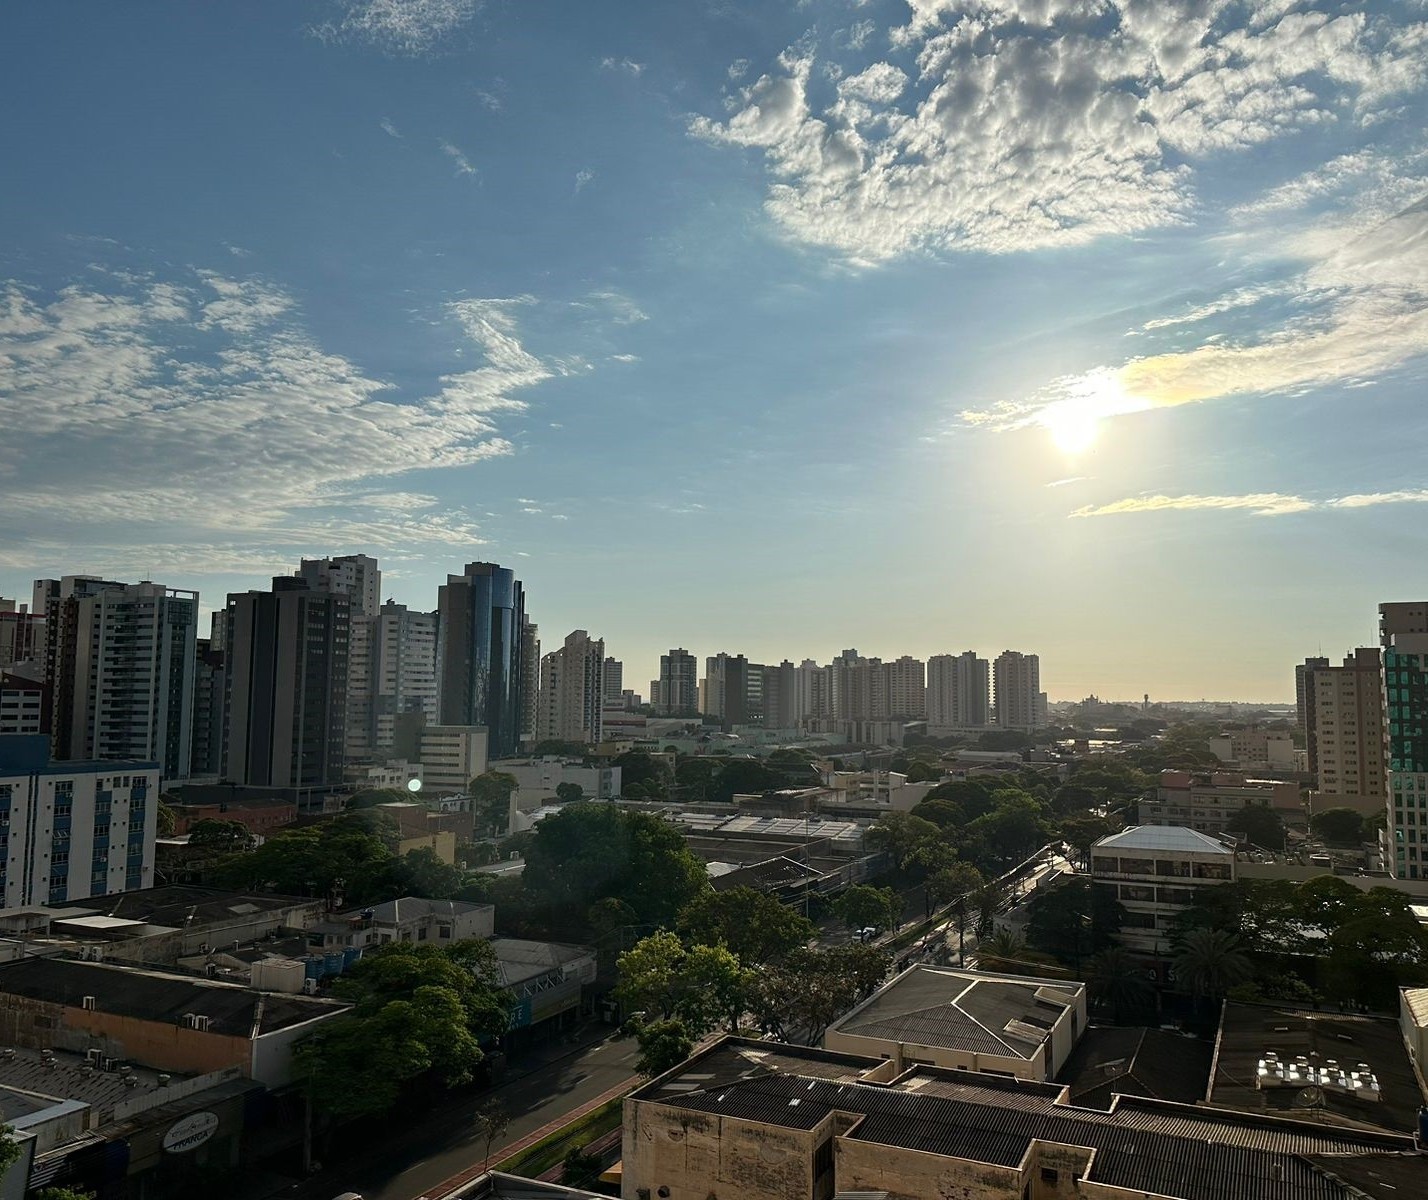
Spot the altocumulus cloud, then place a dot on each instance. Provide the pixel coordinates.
(175, 412)
(398, 26)
(1016, 124)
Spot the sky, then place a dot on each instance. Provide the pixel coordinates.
(1091, 328)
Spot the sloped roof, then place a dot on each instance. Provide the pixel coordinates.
(1137, 1062)
(1164, 837)
(962, 1010)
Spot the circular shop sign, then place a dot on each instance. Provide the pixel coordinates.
(191, 1132)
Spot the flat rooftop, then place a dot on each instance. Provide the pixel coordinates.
(67, 1076)
(1249, 1031)
(1144, 1146)
(158, 996)
(1007, 1015)
(176, 906)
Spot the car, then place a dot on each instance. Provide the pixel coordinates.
(867, 933)
(348, 1196)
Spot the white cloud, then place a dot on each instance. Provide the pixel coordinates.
(199, 410)
(389, 127)
(1261, 504)
(1245, 297)
(399, 26)
(581, 179)
(626, 65)
(459, 160)
(1036, 123)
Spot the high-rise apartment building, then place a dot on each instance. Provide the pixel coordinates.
(1403, 637)
(359, 578)
(726, 689)
(285, 660)
(1304, 704)
(1347, 705)
(530, 680)
(1016, 691)
(959, 691)
(74, 829)
(614, 685)
(479, 653)
(572, 691)
(678, 684)
(403, 648)
(906, 688)
(120, 668)
(210, 691)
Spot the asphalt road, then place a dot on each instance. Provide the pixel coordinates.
(416, 1161)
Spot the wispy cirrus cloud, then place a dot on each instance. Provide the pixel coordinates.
(459, 161)
(1260, 504)
(1031, 123)
(220, 421)
(401, 27)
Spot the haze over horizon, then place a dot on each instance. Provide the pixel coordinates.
(1089, 328)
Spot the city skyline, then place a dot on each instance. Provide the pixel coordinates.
(1098, 336)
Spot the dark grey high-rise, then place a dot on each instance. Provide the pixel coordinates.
(285, 662)
(480, 623)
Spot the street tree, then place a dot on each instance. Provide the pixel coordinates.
(1260, 824)
(490, 1125)
(1209, 962)
(755, 926)
(490, 794)
(569, 793)
(1117, 980)
(1338, 826)
(663, 1046)
(864, 906)
(222, 837)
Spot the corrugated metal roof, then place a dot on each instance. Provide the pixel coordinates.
(1163, 837)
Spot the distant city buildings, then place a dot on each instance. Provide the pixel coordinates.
(1016, 691)
(959, 694)
(676, 692)
(1347, 707)
(403, 667)
(1403, 638)
(358, 577)
(572, 692)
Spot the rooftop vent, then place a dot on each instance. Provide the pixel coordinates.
(88, 1003)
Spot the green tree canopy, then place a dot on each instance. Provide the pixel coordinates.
(225, 837)
(1338, 826)
(862, 906)
(640, 769)
(1075, 921)
(588, 851)
(309, 860)
(741, 776)
(701, 986)
(1117, 980)
(901, 834)
(1210, 962)
(371, 797)
(796, 1000)
(663, 1046)
(754, 926)
(490, 794)
(569, 793)
(1261, 824)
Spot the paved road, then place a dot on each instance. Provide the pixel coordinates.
(418, 1160)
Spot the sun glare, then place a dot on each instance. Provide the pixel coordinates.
(1074, 422)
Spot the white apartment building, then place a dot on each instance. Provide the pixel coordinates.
(1255, 749)
(539, 778)
(1156, 872)
(1016, 691)
(572, 690)
(403, 666)
(906, 688)
(121, 663)
(1349, 733)
(958, 691)
(71, 830)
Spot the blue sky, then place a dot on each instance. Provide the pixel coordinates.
(1090, 327)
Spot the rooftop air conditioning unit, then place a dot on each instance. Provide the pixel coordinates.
(88, 1003)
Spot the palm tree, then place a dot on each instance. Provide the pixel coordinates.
(1004, 946)
(1210, 962)
(1116, 978)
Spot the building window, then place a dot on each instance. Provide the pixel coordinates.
(1049, 1175)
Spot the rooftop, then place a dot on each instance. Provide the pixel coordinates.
(1164, 837)
(1144, 1146)
(1249, 1031)
(177, 907)
(1004, 1015)
(147, 995)
(1157, 1063)
(66, 1076)
(415, 908)
(518, 959)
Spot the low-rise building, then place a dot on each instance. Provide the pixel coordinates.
(169, 1022)
(1003, 1024)
(767, 1122)
(259, 816)
(1155, 872)
(1209, 800)
(1251, 749)
(539, 778)
(410, 919)
(547, 979)
(22, 704)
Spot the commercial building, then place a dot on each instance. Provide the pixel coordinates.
(286, 675)
(166, 1021)
(547, 979)
(1403, 635)
(410, 919)
(572, 691)
(403, 670)
(70, 830)
(1016, 691)
(120, 663)
(1004, 1024)
(1209, 800)
(677, 690)
(451, 756)
(1156, 872)
(958, 691)
(22, 704)
(481, 637)
(762, 1121)
(539, 778)
(612, 690)
(1349, 735)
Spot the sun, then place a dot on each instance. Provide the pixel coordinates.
(1074, 421)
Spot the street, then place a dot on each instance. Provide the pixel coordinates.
(412, 1163)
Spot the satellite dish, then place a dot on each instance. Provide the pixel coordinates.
(413, 785)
